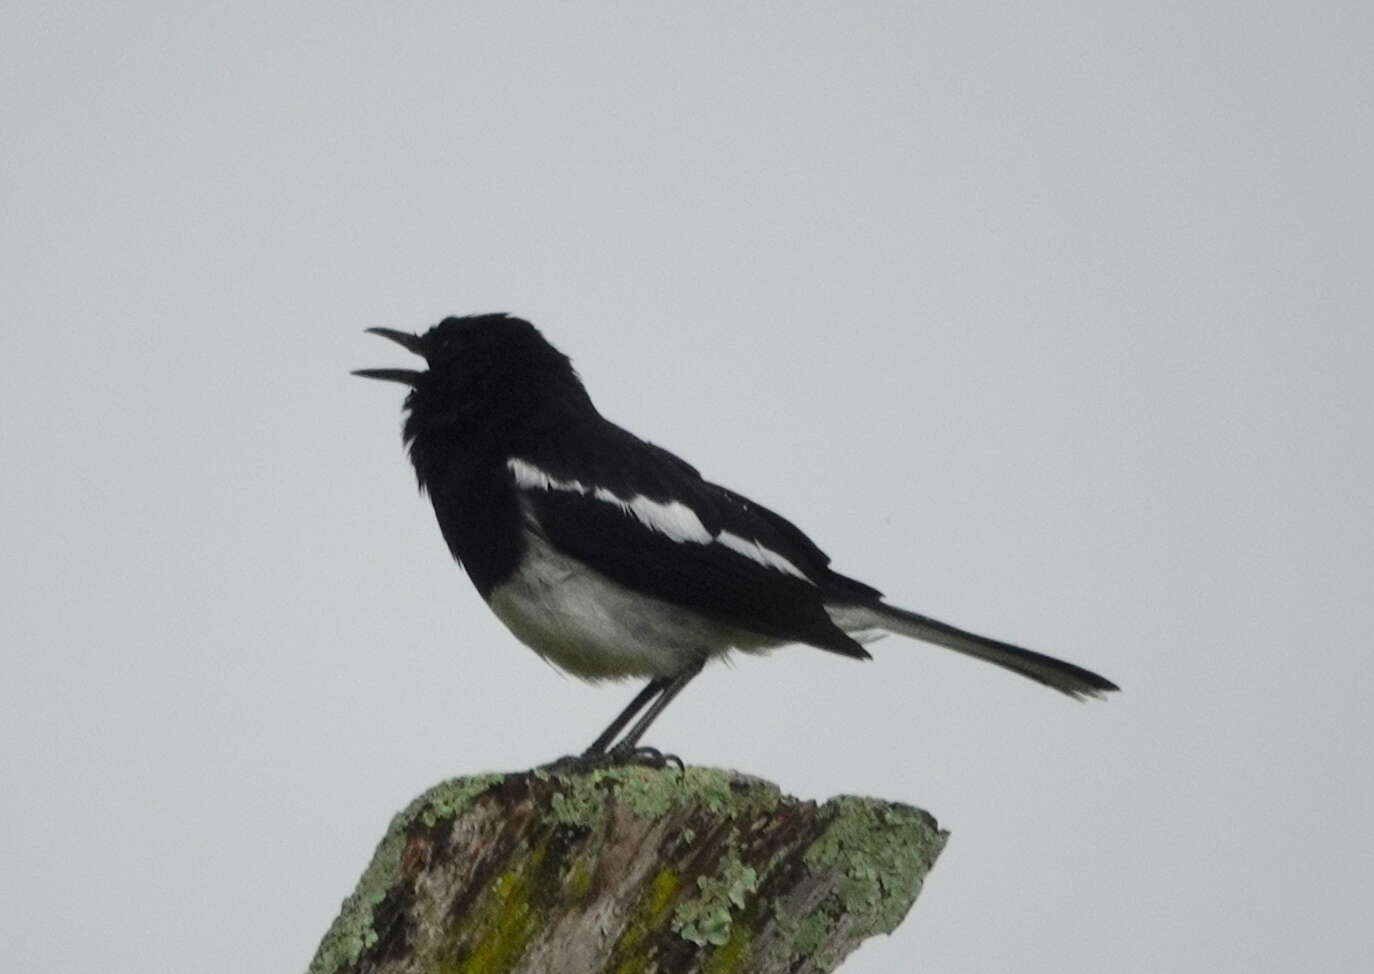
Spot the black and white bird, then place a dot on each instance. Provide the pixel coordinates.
(612, 557)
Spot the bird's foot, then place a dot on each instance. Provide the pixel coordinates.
(646, 757)
(578, 762)
(649, 757)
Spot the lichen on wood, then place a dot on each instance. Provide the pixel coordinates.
(629, 869)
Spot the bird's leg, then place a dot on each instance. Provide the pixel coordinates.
(626, 747)
(653, 689)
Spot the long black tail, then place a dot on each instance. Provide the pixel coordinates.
(1054, 673)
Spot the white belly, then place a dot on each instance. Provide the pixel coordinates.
(584, 623)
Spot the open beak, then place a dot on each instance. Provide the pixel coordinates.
(411, 343)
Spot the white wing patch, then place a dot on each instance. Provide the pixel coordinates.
(760, 554)
(672, 519)
(529, 476)
(675, 519)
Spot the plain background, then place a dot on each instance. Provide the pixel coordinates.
(1052, 320)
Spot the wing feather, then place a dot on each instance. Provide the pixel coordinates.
(647, 520)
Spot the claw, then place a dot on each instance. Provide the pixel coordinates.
(578, 762)
(649, 757)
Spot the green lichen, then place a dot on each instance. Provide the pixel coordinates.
(811, 932)
(579, 880)
(629, 954)
(506, 921)
(726, 793)
(883, 852)
(450, 798)
(653, 792)
(730, 956)
(352, 931)
(706, 918)
(581, 802)
(730, 793)
(649, 794)
(710, 787)
(874, 853)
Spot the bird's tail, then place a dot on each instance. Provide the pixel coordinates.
(1054, 673)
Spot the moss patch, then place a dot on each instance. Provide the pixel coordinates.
(352, 931)
(506, 921)
(630, 954)
(579, 880)
(730, 956)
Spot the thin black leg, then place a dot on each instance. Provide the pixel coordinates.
(651, 690)
(674, 686)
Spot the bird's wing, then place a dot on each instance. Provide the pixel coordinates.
(647, 520)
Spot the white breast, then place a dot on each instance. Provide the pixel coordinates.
(594, 628)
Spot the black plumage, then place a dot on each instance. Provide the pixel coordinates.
(612, 556)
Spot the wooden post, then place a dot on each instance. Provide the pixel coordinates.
(629, 869)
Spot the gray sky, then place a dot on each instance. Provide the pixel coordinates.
(1052, 320)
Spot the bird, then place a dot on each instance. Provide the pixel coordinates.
(613, 558)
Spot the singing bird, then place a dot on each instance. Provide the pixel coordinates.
(612, 557)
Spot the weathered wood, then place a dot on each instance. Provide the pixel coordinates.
(626, 870)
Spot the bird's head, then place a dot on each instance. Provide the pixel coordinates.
(490, 380)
